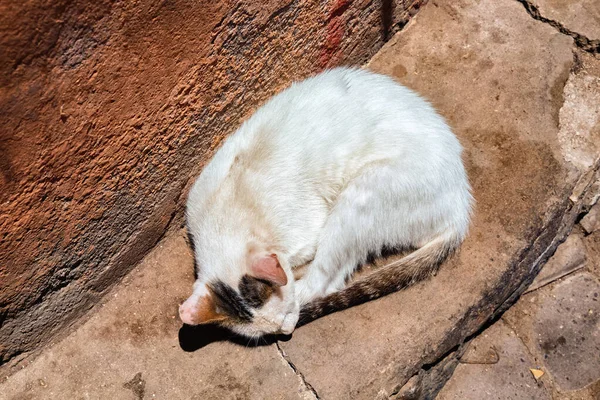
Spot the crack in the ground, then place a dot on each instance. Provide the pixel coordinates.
(583, 42)
(512, 327)
(439, 369)
(307, 386)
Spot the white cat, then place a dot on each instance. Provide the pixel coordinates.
(331, 170)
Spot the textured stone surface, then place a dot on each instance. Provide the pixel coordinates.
(579, 116)
(560, 324)
(592, 245)
(109, 108)
(129, 349)
(499, 77)
(591, 221)
(569, 257)
(477, 378)
(503, 95)
(581, 16)
(470, 380)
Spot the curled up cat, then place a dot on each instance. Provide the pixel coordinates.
(326, 173)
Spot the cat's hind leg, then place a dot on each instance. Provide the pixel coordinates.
(384, 206)
(359, 223)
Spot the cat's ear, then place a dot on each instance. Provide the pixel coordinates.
(267, 268)
(198, 310)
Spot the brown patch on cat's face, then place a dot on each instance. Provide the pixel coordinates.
(200, 310)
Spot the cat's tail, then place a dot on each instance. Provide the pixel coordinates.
(418, 265)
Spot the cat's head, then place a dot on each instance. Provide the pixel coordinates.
(252, 303)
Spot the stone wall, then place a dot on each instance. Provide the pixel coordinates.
(109, 108)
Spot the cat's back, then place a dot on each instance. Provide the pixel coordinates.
(322, 130)
(346, 109)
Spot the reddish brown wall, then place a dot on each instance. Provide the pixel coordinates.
(107, 108)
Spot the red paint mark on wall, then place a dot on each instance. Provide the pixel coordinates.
(336, 27)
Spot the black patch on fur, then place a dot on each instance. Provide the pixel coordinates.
(230, 302)
(254, 291)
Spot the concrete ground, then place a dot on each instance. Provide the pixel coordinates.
(520, 84)
(552, 331)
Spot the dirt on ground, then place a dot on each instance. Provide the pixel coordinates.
(522, 95)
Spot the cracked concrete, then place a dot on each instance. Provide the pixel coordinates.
(556, 328)
(505, 375)
(515, 104)
(306, 390)
(571, 10)
(581, 16)
(569, 257)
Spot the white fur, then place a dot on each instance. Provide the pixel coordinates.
(327, 171)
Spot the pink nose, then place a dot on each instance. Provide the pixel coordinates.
(187, 313)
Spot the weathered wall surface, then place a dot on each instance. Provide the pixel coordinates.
(107, 108)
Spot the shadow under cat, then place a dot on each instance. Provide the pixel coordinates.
(192, 338)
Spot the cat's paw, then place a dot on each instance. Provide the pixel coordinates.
(289, 323)
(290, 320)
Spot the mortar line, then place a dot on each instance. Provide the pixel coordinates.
(299, 374)
(581, 41)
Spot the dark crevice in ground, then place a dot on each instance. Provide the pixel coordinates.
(584, 43)
(435, 371)
(289, 362)
(433, 376)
